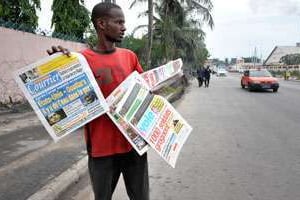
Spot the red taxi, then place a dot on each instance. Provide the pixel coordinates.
(259, 79)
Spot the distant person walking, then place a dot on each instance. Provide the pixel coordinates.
(200, 76)
(206, 73)
(287, 74)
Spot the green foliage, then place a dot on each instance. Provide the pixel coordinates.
(70, 18)
(294, 73)
(91, 37)
(177, 32)
(291, 59)
(135, 44)
(20, 12)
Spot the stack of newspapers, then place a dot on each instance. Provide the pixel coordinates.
(65, 95)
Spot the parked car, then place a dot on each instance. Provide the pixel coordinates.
(259, 79)
(221, 72)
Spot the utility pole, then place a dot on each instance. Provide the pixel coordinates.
(254, 56)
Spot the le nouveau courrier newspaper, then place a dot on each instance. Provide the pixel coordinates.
(63, 93)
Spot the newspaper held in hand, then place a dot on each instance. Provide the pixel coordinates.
(158, 75)
(137, 142)
(155, 119)
(149, 79)
(63, 92)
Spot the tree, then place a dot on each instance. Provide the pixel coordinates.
(149, 12)
(178, 30)
(291, 59)
(22, 12)
(70, 18)
(150, 33)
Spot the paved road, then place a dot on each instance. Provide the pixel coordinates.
(245, 146)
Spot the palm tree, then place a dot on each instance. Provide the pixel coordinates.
(150, 29)
(178, 30)
(150, 33)
(109, 1)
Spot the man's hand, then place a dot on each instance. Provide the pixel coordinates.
(56, 49)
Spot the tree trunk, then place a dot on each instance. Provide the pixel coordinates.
(150, 33)
(109, 1)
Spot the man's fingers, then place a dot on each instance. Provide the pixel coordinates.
(52, 50)
(64, 50)
(56, 49)
(49, 52)
(67, 52)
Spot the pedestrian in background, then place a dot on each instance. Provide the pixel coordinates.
(287, 74)
(207, 73)
(200, 76)
(110, 154)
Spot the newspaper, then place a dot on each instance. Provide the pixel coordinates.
(149, 79)
(137, 142)
(156, 76)
(63, 93)
(155, 119)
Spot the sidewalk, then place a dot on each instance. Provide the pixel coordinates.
(30, 159)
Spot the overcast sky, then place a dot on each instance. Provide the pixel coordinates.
(240, 25)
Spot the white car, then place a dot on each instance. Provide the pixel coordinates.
(221, 72)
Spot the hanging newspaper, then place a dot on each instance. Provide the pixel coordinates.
(156, 76)
(63, 92)
(137, 142)
(155, 119)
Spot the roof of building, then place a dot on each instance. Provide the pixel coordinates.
(280, 51)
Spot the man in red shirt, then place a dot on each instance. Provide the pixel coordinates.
(110, 154)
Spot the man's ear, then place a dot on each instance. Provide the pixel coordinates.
(101, 23)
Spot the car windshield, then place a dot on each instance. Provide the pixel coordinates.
(260, 73)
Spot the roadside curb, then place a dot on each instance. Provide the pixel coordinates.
(55, 187)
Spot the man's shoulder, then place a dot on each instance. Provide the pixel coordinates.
(124, 50)
(86, 51)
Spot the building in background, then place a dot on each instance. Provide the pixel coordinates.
(273, 61)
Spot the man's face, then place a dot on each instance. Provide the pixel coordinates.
(115, 26)
(54, 118)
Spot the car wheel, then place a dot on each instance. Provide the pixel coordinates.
(242, 85)
(275, 89)
(250, 89)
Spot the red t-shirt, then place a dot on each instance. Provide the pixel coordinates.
(102, 136)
